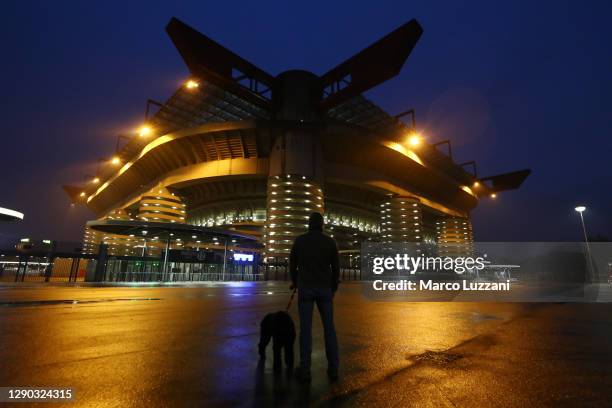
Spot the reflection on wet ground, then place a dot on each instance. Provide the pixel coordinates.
(30, 303)
(193, 346)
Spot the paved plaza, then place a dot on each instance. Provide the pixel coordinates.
(196, 346)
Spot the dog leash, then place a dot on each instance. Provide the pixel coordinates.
(291, 299)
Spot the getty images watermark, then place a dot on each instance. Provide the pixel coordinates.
(488, 271)
(423, 264)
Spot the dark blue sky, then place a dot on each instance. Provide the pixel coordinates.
(512, 84)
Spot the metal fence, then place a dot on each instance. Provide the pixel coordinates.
(347, 274)
(129, 270)
(280, 272)
(43, 269)
(15, 267)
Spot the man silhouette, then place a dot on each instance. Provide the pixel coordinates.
(314, 270)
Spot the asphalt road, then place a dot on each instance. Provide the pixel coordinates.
(197, 346)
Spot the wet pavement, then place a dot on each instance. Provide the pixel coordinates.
(197, 346)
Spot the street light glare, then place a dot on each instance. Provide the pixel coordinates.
(96, 180)
(493, 195)
(580, 208)
(115, 160)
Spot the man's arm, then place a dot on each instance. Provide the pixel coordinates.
(293, 262)
(335, 267)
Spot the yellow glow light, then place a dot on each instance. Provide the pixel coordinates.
(115, 160)
(403, 150)
(82, 194)
(96, 180)
(414, 140)
(468, 190)
(191, 84)
(144, 131)
(493, 195)
(476, 184)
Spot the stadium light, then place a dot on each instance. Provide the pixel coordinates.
(415, 140)
(144, 131)
(191, 84)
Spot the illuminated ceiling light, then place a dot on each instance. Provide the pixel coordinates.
(144, 131)
(191, 84)
(115, 160)
(580, 208)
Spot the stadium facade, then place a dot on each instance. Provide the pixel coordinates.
(239, 149)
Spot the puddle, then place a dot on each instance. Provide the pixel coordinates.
(436, 357)
(30, 303)
(479, 317)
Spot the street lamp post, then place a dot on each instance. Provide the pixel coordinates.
(580, 209)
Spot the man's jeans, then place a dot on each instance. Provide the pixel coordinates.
(307, 297)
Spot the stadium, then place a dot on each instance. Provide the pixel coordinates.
(236, 160)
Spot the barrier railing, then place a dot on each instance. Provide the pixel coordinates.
(15, 267)
(43, 269)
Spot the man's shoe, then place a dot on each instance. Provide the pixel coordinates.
(303, 375)
(332, 373)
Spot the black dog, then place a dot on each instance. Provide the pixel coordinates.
(280, 328)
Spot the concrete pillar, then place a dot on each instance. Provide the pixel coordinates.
(454, 236)
(295, 179)
(160, 205)
(401, 220)
(291, 200)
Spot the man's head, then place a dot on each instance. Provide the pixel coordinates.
(315, 222)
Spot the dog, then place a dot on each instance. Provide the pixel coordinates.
(280, 328)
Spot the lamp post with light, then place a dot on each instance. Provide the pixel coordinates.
(580, 209)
